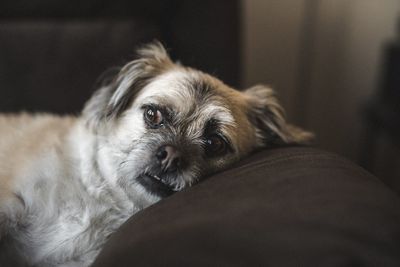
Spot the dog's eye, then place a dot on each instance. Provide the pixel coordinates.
(153, 117)
(215, 145)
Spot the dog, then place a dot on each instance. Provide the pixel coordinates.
(157, 127)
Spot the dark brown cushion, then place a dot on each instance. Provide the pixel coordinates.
(281, 207)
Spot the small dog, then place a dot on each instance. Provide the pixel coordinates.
(67, 183)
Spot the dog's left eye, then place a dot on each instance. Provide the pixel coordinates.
(215, 145)
(153, 117)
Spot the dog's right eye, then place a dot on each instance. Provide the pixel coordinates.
(153, 117)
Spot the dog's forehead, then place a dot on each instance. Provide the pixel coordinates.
(187, 93)
(168, 88)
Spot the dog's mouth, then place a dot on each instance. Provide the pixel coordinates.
(156, 185)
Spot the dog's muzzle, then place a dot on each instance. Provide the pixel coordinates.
(158, 180)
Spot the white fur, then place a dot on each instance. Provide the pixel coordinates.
(69, 208)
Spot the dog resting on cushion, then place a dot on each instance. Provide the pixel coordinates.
(67, 183)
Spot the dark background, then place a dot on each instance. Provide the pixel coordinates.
(53, 51)
(334, 63)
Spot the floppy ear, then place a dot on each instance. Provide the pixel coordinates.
(116, 94)
(268, 117)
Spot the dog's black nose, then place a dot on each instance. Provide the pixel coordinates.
(169, 158)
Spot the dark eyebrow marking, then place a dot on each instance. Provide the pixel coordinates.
(211, 126)
(201, 89)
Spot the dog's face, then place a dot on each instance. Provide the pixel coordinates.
(162, 126)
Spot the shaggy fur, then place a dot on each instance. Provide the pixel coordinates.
(67, 183)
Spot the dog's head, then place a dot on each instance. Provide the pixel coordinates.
(162, 126)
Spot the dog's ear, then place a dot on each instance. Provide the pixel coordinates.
(116, 94)
(268, 117)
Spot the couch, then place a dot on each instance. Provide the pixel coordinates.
(294, 206)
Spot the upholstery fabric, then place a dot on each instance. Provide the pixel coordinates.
(281, 207)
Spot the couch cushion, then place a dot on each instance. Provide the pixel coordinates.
(280, 207)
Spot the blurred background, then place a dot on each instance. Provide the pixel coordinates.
(334, 63)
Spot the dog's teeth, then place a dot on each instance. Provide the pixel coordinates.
(162, 180)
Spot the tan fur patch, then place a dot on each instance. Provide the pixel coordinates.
(237, 103)
(22, 137)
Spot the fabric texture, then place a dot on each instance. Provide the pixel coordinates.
(281, 207)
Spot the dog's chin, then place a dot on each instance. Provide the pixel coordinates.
(156, 185)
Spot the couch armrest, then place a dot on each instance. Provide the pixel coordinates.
(281, 207)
